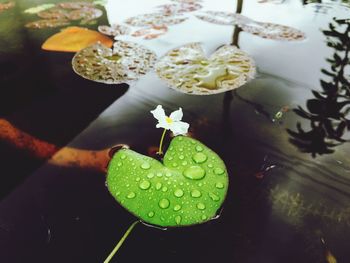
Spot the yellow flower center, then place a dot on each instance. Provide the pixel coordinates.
(168, 120)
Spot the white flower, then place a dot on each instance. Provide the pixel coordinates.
(173, 122)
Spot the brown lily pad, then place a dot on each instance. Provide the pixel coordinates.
(124, 64)
(188, 70)
(53, 13)
(6, 6)
(75, 5)
(47, 23)
(85, 14)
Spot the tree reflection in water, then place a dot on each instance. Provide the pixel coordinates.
(329, 111)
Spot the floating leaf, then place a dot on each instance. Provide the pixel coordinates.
(74, 39)
(261, 29)
(151, 32)
(173, 9)
(218, 17)
(188, 188)
(154, 19)
(53, 13)
(63, 13)
(114, 30)
(39, 8)
(6, 6)
(125, 63)
(48, 23)
(75, 5)
(188, 70)
(269, 30)
(85, 14)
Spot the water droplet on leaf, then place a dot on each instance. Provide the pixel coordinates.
(194, 173)
(145, 166)
(158, 186)
(177, 207)
(214, 197)
(219, 185)
(218, 171)
(131, 195)
(164, 203)
(144, 185)
(201, 206)
(199, 157)
(199, 148)
(178, 220)
(178, 193)
(195, 193)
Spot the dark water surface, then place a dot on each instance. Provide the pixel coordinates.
(289, 192)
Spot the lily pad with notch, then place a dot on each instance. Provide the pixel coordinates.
(188, 188)
(124, 64)
(187, 69)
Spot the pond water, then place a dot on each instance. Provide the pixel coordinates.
(283, 137)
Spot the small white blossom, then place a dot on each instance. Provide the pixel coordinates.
(173, 122)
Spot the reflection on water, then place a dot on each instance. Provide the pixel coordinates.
(297, 208)
(328, 112)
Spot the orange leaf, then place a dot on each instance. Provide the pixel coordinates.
(74, 39)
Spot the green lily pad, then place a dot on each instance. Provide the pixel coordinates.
(187, 188)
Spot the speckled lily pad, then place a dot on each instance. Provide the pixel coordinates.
(75, 5)
(262, 29)
(53, 13)
(47, 23)
(63, 14)
(217, 17)
(188, 70)
(172, 9)
(125, 63)
(188, 188)
(114, 30)
(151, 32)
(85, 14)
(269, 30)
(154, 19)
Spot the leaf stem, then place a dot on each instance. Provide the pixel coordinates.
(121, 241)
(160, 151)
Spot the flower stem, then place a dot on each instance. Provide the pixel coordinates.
(160, 151)
(121, 241)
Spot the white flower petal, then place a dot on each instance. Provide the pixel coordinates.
(179, 128)
(159, 113)
(176, 115)
(164, 125)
